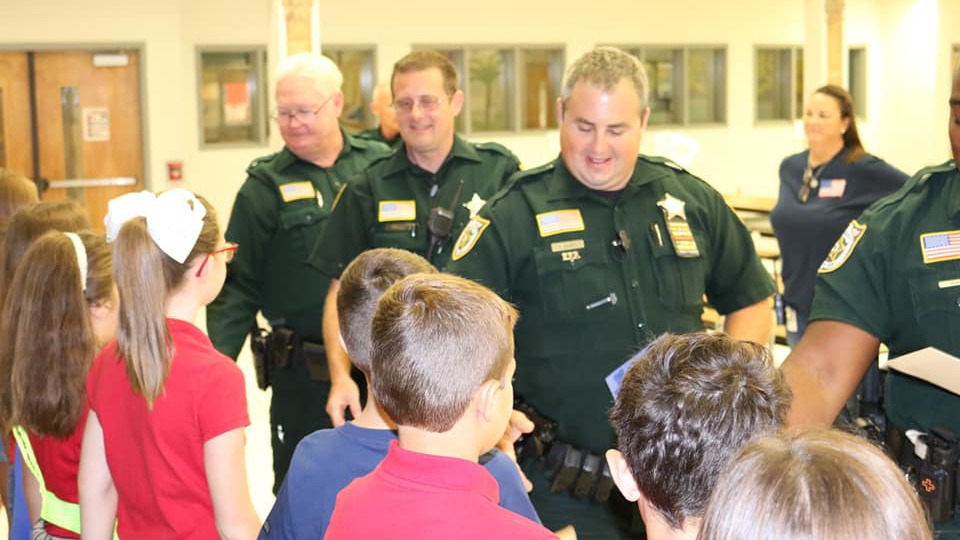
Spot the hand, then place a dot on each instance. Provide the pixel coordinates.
(519, 424)
(343, 393)
(566, 533)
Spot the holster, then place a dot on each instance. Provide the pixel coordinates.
(285, 348)
(261, 364)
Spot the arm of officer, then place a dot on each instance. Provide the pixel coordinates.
(253, 221)
(751, 323)
(823, 370)
(343, 391)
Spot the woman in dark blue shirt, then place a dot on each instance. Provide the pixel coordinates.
(821, 190)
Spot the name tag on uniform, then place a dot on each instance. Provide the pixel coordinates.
(560, 221)
(296, 191)
(832, 189)
(397, 211)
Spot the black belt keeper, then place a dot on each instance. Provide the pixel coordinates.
(286, 348)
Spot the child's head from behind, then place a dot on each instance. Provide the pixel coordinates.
(440, 343)
(362, 283)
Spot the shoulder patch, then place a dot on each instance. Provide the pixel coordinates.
(560, 221)
(844, 246)
(295, 191)
(469, 236)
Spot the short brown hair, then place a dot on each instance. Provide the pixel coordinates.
(424, 60)
(362, 283)
(818, 485)
(605, 67)
(436, 339)
(684, 408)
(46, 337)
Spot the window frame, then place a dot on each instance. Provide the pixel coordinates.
(721, 93)
(797, 109)
(515, 111)
(370, 121)
(260, 112)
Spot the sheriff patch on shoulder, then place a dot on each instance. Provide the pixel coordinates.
(468, 238)
(841, 251)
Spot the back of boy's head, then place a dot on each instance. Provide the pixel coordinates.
(685, 407)
(362, 283)
(436, 339)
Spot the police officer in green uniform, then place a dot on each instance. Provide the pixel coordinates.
(893, 277)
(602, 250)
(277, 217)
(388, 131)
(418, 198)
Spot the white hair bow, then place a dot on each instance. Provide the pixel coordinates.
(174, 219)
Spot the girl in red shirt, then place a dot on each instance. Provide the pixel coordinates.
(163, 448)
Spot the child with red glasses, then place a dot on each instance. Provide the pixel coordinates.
(163, 449)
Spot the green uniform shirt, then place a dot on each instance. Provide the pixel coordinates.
(389, 204)
(595, 279)
(277, 217)
(374, 134)
(875, 278)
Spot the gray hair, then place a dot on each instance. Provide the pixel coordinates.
(322, 70)
(606, 67)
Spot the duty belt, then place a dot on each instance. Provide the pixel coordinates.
(283, 348)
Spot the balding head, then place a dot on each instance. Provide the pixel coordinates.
(325, 74)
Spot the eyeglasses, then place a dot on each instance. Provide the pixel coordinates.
(229, 250)
(427, 104)
(284, 117)
(809, 182)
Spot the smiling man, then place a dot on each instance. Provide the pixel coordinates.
(419, 198)
(284, 203)
(602, 250)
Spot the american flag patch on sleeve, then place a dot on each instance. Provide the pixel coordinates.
(940, 246)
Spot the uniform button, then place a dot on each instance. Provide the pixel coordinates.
(635, 284)
(639, 325)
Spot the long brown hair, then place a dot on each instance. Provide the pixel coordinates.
(851, 137)
(46, 337)
(145, 278)
(16, 190)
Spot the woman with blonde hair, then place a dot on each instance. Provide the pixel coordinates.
(818, 485)
(60, 309)
(163, 450)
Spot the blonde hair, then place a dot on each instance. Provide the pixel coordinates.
(819, 485)
(146, 276)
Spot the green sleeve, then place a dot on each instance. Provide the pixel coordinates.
(253, 222)
(488, 261)
(348, 232)
(856, 291)
(737, 277)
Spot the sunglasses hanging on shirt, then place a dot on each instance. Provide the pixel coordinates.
(811, 179)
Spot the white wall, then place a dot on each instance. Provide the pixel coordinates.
(908, 47)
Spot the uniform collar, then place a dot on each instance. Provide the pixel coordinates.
(461, 149)
(288, 158)
(565, 186)
(953, 190)
(447, 473)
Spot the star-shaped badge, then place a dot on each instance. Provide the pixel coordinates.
(474, 205)
(673, 207)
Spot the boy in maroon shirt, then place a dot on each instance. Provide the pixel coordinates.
(443, 358)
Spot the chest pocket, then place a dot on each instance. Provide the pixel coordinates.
(681, 281)
(301, 227)
(408, 235)
(937, 310)
(567, 287)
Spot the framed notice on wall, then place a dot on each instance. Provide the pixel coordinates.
(96, 124)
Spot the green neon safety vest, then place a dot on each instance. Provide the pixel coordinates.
(54, 509)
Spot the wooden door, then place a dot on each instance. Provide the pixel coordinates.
(88, 132)
(16, 146)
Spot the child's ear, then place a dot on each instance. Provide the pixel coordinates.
(622, 476)
(101, 308)
(487, 401)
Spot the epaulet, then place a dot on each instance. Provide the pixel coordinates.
(493, 147)
(660, 160)
(526, 173)
(258, 162)
(916, 182)
(369, 144)
(382, 157)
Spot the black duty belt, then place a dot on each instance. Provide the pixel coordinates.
(283, 348)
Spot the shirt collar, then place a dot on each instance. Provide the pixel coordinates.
(288, 158)
(564, 185)
(953, 200)
(461, 149)
(447, 473)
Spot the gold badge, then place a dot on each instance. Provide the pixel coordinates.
(397, 211)
(843, 247)
(674, 212)
(296, 191)
(468, 238)
(560, 221)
